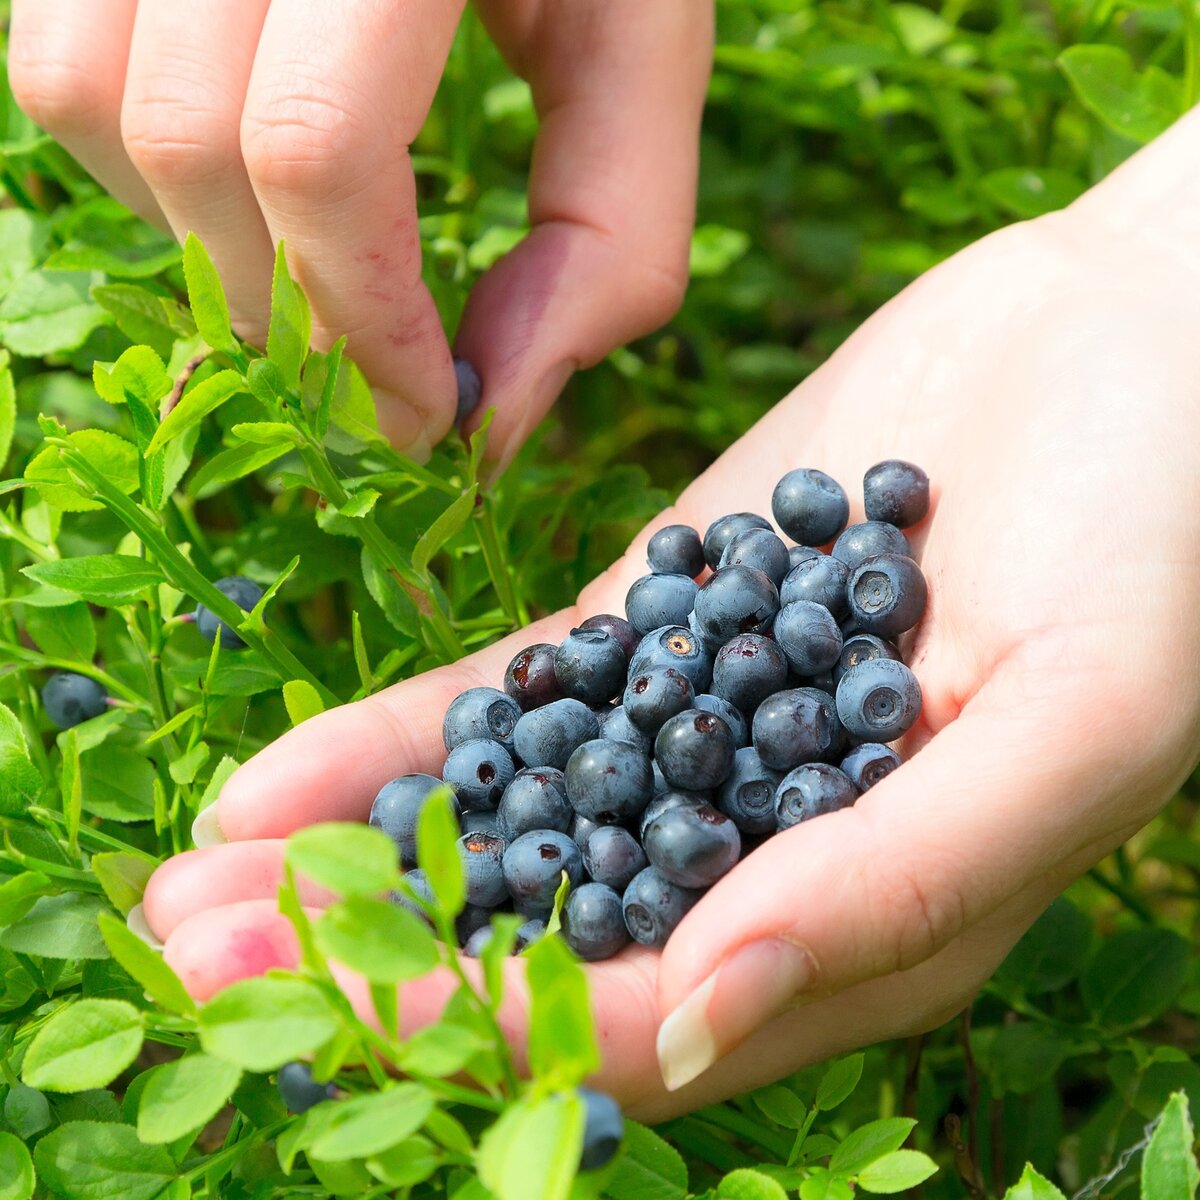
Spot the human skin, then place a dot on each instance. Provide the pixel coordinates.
(1045, 378)
(255, 121)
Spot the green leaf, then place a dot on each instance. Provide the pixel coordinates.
(823, 1185)
(119, 262)
(1023, 1056)
(187, 766)
(48, 312)
(8, 404)
(20, 783)
(207, 296)
(84, 1045)
(144, 317)
(1052, 952)
(437, 853)
(715, 249)
(23, 240)
(267, 433)
(370, 1123)
(1032, 191)
(382, 941)
(562, 1039)
(869, 1142)
(532, 1151)
(1134, 976)
(118, 784)
(647, 1168)
(395, 604)
(1135, 106)
(301, 700)
(18, 894)
(291, 323)
(64, 632)
(405, 1164)
(139, 371)
(353, 423)
(183, 1096)
(146, 965)
(781, 1105)
(260, 1024)
(116, 458)
(268, 386)
(195, 404)
(27, 1111)
(449, 522)
(100, 578)
(896, 1172)
(747, 1184)
(16, 1169)
(91, 1160)
(440, 1050)
(123, 877)
(838, 1082)
(1169, 1165)
(346, 857)
(59, 927)
(1032, 1186)
(233, 464)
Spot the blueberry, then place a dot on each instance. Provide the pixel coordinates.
(747, 797)
(810, 507)
(887, 594)
(531, 931)
(593, 922)
(665, 801)
(481, 821)
(654, 906)
(711, 642)
(613, 857)
(245, 593)
(822, 580)
(762, 549)
(861, 647)
(795, 726)
(674, 646)
(473, 918)
(617, 727)
(530, 679)
(896, 492)
(473, 946)
(533, 867)
(695, 750)
(809, 636)
(653, 697)
(618, 627)
(878, 700)
(298, 1090)
(657, 600)
(675, 550)
(396, 808)
(603, 1129)
(693, 846)
(547, 737)
(748, 669)
(535, 799)
(480, 712)
(812, 790)
(799, 554)
(724, 529)
(608, 782)
(867, 764)
(590, 666)
(582, 829)
(706, 702)
(70, 699)
(823, 681)
(736, 600)
(470, 388)
(482, 855)
(478, 771)
(418, 883)
(868, 539)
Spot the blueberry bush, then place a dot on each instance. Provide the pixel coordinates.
(147, 453)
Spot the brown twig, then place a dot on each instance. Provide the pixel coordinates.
(965, 1164)
(189, 369)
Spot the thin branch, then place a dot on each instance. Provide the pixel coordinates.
(189, 369)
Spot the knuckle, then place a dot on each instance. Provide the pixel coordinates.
(925, 911)
(173, 145)
(661, 284)
(299, 145)
(60, 93)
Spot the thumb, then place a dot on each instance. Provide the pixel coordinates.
(989, 805)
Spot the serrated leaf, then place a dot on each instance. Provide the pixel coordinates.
(20, 782)
(206, 296)
(48, 312)
(291, 323)
(184, 1095)
(1032, 1186)
(449, 522)
(382, 941)
(116, 261)
(139, 370)
(146, 966)
(195, 404)
(1169, 1164)
(748, 1184)
(302, 701)
(84, 1045)
(144, 317)
(371, 1123)
(1134, 976)
(110, 454)
(1106, 83)
(648, 1168)
(869, 1142)
(896, 1172)
(838, 1082)
(99, 578)
(259, 1024)
(59, 927)
(16, 1169)
(532, 1151)
(93, 1160)
(346, 857)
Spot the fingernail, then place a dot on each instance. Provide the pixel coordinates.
(205, 829)
(753, 985)
(139, 927)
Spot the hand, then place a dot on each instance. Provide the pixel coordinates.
(251, 121)
(1045, 378)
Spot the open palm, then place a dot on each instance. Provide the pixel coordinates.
(1046, 380)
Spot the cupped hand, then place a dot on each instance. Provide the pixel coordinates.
(252, 121)
(1046, 380)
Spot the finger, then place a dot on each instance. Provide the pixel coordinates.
(66, 68)
(189, 67)
(197, 880)
(611, 198)
(990, 805)
(339, 90)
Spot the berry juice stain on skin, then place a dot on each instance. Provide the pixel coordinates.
(255, 951)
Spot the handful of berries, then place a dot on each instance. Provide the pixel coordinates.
(646, 755)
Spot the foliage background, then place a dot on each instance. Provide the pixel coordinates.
(847, 147)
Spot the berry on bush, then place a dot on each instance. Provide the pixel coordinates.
(603, 1129)
(298, 1090)
(70, 699)
(245, 593)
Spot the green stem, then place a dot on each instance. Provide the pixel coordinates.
(114, 686)
(1122, 893)
(493, 555)
(26, 706)
(743, 1127)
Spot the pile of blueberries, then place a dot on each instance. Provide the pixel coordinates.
(644, 756)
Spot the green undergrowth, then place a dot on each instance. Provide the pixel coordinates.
(146, 452)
